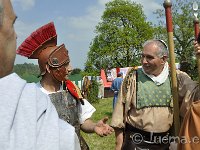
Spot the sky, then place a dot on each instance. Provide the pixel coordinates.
(74, 20)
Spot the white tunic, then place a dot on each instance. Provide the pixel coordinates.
(29, 121)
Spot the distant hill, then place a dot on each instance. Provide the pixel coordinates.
(30, 72)
(27, 71)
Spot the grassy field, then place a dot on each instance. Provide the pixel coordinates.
(95, 142)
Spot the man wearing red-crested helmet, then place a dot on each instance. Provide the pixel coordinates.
(55, 68)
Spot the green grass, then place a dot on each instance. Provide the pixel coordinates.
(95, 142)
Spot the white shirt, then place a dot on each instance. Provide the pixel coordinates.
(86, 110)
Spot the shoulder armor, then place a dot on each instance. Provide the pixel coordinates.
(127, 79)
(131, 71)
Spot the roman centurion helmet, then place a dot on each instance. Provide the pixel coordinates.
(42, 45)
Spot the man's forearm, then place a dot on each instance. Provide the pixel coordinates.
(100, 128)
(88, 126)
(118, 138)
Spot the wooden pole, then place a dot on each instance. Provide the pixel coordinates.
(196, 33)
(167, 5)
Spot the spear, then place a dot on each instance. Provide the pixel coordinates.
(167, 5)
(196, 32)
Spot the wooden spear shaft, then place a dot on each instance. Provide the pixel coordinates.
(167, 5)
(196, 33)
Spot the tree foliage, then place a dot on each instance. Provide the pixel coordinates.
(93, 92)
(76, 71)
(183, 17)
(119, 36)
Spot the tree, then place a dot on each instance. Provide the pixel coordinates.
(76, 71)
(182, 15)
(28, 72)
(119, 36)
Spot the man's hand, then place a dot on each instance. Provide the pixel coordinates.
(103, 129)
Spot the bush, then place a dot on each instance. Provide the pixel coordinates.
(93, 91)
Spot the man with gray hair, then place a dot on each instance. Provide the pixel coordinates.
(144, 110)
(28, 119)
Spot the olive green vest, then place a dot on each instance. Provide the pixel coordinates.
(151, 95)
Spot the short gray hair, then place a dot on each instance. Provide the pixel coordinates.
(163, 49)
(1, 13)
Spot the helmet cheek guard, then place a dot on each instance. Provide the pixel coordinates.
(44, 57)
(57, 61)
(59, 73)
(58, 57)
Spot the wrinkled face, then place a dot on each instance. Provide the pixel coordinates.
(151, 62)
(7, 38)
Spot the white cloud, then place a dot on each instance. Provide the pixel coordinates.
(83, 27)
(25, 4)
(103, 2)
(23, 30)
(150, 6)
(88, 21)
